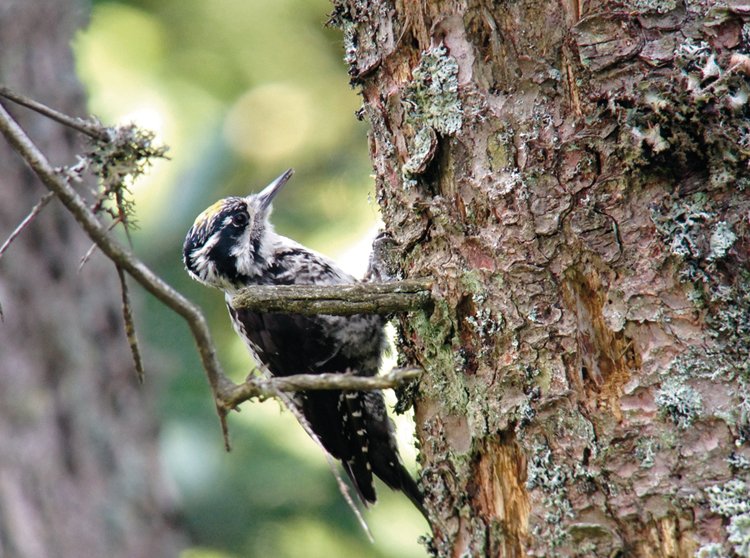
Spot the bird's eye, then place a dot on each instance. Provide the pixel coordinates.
(240, 219)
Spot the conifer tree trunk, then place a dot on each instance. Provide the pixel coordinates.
(79, 469)
(574, 176)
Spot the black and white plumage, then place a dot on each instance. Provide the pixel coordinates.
(232, 245)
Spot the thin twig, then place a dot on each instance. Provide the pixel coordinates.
(87, 256)
(23, 224)
(121, 256)
(122, 215)
(91, 129)
(342, 300)
(127, 316)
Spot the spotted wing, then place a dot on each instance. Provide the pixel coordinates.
(293, 344)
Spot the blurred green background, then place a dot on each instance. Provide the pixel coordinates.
(240, 90)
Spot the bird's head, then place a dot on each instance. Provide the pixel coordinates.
(225, 246)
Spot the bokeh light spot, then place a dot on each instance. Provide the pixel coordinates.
(269, 122)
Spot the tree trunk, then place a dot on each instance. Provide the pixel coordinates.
(79, 471)
(575, 179)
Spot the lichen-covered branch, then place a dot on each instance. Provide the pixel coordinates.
(269, 387)
(340, 300)
(127, 315)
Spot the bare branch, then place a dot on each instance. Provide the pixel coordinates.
(90, 128)
(127, 315)
(271, 386)
(341, 300)
(56, 182)
(23, 224)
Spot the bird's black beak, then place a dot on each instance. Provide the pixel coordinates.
(266, 196)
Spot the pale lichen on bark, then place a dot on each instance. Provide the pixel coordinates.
(585, 230)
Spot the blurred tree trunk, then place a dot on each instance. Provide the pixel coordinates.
(79, 469)
(575, 178)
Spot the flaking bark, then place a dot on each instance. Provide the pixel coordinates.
(577, 188)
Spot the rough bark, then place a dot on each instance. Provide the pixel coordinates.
(79, 469)
(573, 178)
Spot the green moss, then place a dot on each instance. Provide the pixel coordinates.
(445, 364)
(501, 151)
(473, 281)
(583, 532)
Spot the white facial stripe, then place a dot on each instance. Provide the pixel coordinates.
(204, 269)
(201, 254)
(242, 253)
(244, 250)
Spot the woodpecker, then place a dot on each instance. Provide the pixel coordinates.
(232, 245)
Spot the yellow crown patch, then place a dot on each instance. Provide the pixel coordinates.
(208, 213)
